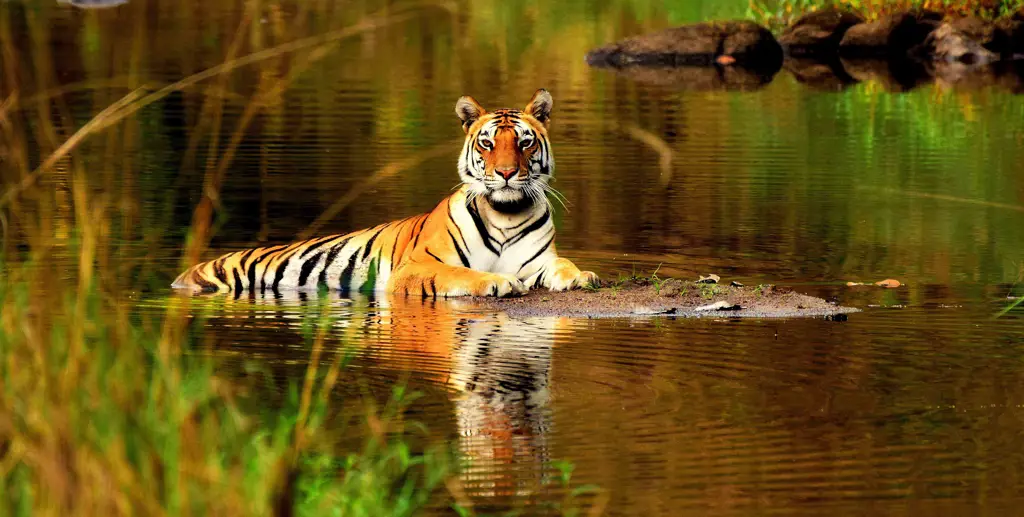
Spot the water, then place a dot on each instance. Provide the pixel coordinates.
(914, 406)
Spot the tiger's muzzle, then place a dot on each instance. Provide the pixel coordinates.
(506, 172)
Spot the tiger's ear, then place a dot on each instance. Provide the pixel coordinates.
(468, 111)
(540, 106)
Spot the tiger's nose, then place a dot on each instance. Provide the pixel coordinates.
(507, 172)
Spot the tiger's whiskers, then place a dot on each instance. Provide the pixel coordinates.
(562, 200)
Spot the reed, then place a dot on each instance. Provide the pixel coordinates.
(106, 409)
(103, 413)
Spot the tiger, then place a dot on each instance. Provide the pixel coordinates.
(493, 236)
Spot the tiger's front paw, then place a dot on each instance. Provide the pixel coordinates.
(568, 276)
(500, 285)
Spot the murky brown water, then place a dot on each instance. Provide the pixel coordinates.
(915, 406)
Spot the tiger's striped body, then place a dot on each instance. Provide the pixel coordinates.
(491, 237)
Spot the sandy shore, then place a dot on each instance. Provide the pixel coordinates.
(672, 298)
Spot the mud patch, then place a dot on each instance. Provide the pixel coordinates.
(671, 298)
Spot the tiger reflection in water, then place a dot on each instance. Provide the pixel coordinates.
(501, 367)
(498, 367)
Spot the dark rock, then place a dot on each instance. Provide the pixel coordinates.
(818, 33)
(1004, 36)
(698, 78)
(981, 31)
(1008, 36)
(704, 44)
(947, 44)
(890, 36)
(819, 75)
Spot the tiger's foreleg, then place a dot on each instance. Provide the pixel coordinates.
(560, 274)
(436, 279)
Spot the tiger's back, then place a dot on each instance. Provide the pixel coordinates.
(361, 260)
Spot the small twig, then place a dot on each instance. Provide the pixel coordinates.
(108, 116)
(131, 103)
(9, 102)
(944, 197)
(656, 143)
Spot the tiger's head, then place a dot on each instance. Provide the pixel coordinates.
(507, 157)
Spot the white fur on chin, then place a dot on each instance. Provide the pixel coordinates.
(506, 195)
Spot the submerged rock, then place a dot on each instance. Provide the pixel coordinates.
(1011, 76)
(698, 78)
(955, 75)
(740, 43)
(892, 35)
(818, 33)
(93, 4)
(821, 75)
(896, 75)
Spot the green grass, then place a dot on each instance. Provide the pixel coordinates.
(709, 291)
(106, 409)
(105, 412)
(776, 14)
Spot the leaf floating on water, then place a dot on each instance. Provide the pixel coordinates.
(889, 283)
(710, 279)
(719, 306)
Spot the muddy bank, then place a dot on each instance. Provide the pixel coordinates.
(671, 298)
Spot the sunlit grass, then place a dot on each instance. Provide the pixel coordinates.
(107, 412)
(111, 408)
(779, 13)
